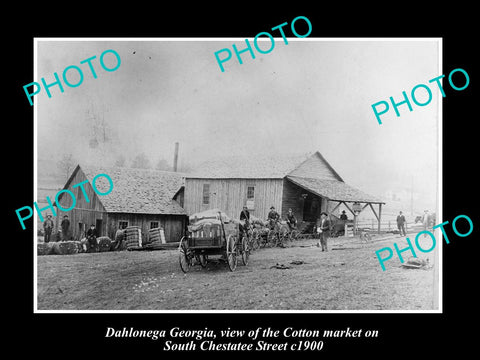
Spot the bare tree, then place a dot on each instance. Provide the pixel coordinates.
(141, 161)
(66, 165)
(163, 164)
(120, 161)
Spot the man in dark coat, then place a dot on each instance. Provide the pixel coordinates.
(47, 228)
(401, 224)
(245, 217)
(65, 225)
(245, 214)
(291, 220)
(324, 230)
(273, 217)
(92, 238)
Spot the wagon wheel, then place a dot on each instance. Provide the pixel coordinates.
(245, 250)
(255, 240)
(185, 257)
(283, 237)
(231, 252)
(294, 235)
(271, 238)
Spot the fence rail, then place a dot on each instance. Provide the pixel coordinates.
(385, 225)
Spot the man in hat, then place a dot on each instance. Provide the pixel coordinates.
(323, 229)
(65, 225)
(291, 220)
(272, 218)
(92, 238)
(47, 228)
(244, 221)
(401, 224)
(343, 216)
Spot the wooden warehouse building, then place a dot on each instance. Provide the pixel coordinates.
(140, 197)
(305, 183)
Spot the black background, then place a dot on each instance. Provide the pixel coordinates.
(402, 335)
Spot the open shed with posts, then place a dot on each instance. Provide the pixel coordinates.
(307, 184)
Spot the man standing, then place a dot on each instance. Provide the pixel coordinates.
(92, 238)
(323, 229)
(47, 228)
(65, 225)
(401, 224)
(291, 220)
(343, 216)
(119, 237)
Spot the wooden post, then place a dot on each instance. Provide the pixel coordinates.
(379, 216)
(175, 157)
(355, 224)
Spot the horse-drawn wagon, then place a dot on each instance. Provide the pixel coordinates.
(212, 233)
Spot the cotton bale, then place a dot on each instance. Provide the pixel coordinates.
(104, 243)
(45, 248)
(133, 238)
(67, 247)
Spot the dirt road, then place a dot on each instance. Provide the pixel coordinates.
(346, 277)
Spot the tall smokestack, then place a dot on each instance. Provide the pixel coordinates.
(175, 157)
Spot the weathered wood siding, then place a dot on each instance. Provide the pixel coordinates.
(230, 195)
(173, 225)
(84, 213)
(315, 167)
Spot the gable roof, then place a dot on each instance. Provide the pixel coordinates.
(334, 190)
(141, 191)
(256, 167)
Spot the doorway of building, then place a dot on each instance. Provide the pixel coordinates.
(98, 226)
(311, 208)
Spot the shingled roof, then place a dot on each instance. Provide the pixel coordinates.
(317, 176)
(333, 190)
(241, 167)
(141, 191)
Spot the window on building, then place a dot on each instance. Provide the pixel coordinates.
(154, 224)
(122, 224)
(206, 194)
(250, 192)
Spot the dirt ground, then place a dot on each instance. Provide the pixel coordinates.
(347, 277)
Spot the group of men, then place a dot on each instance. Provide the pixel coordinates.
(402, 222)
(48, 225)
(48, 228)
(322, 228)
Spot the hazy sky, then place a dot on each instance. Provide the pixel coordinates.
(301, 97)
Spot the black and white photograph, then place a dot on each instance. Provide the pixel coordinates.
(226, 181)
(254, 188)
